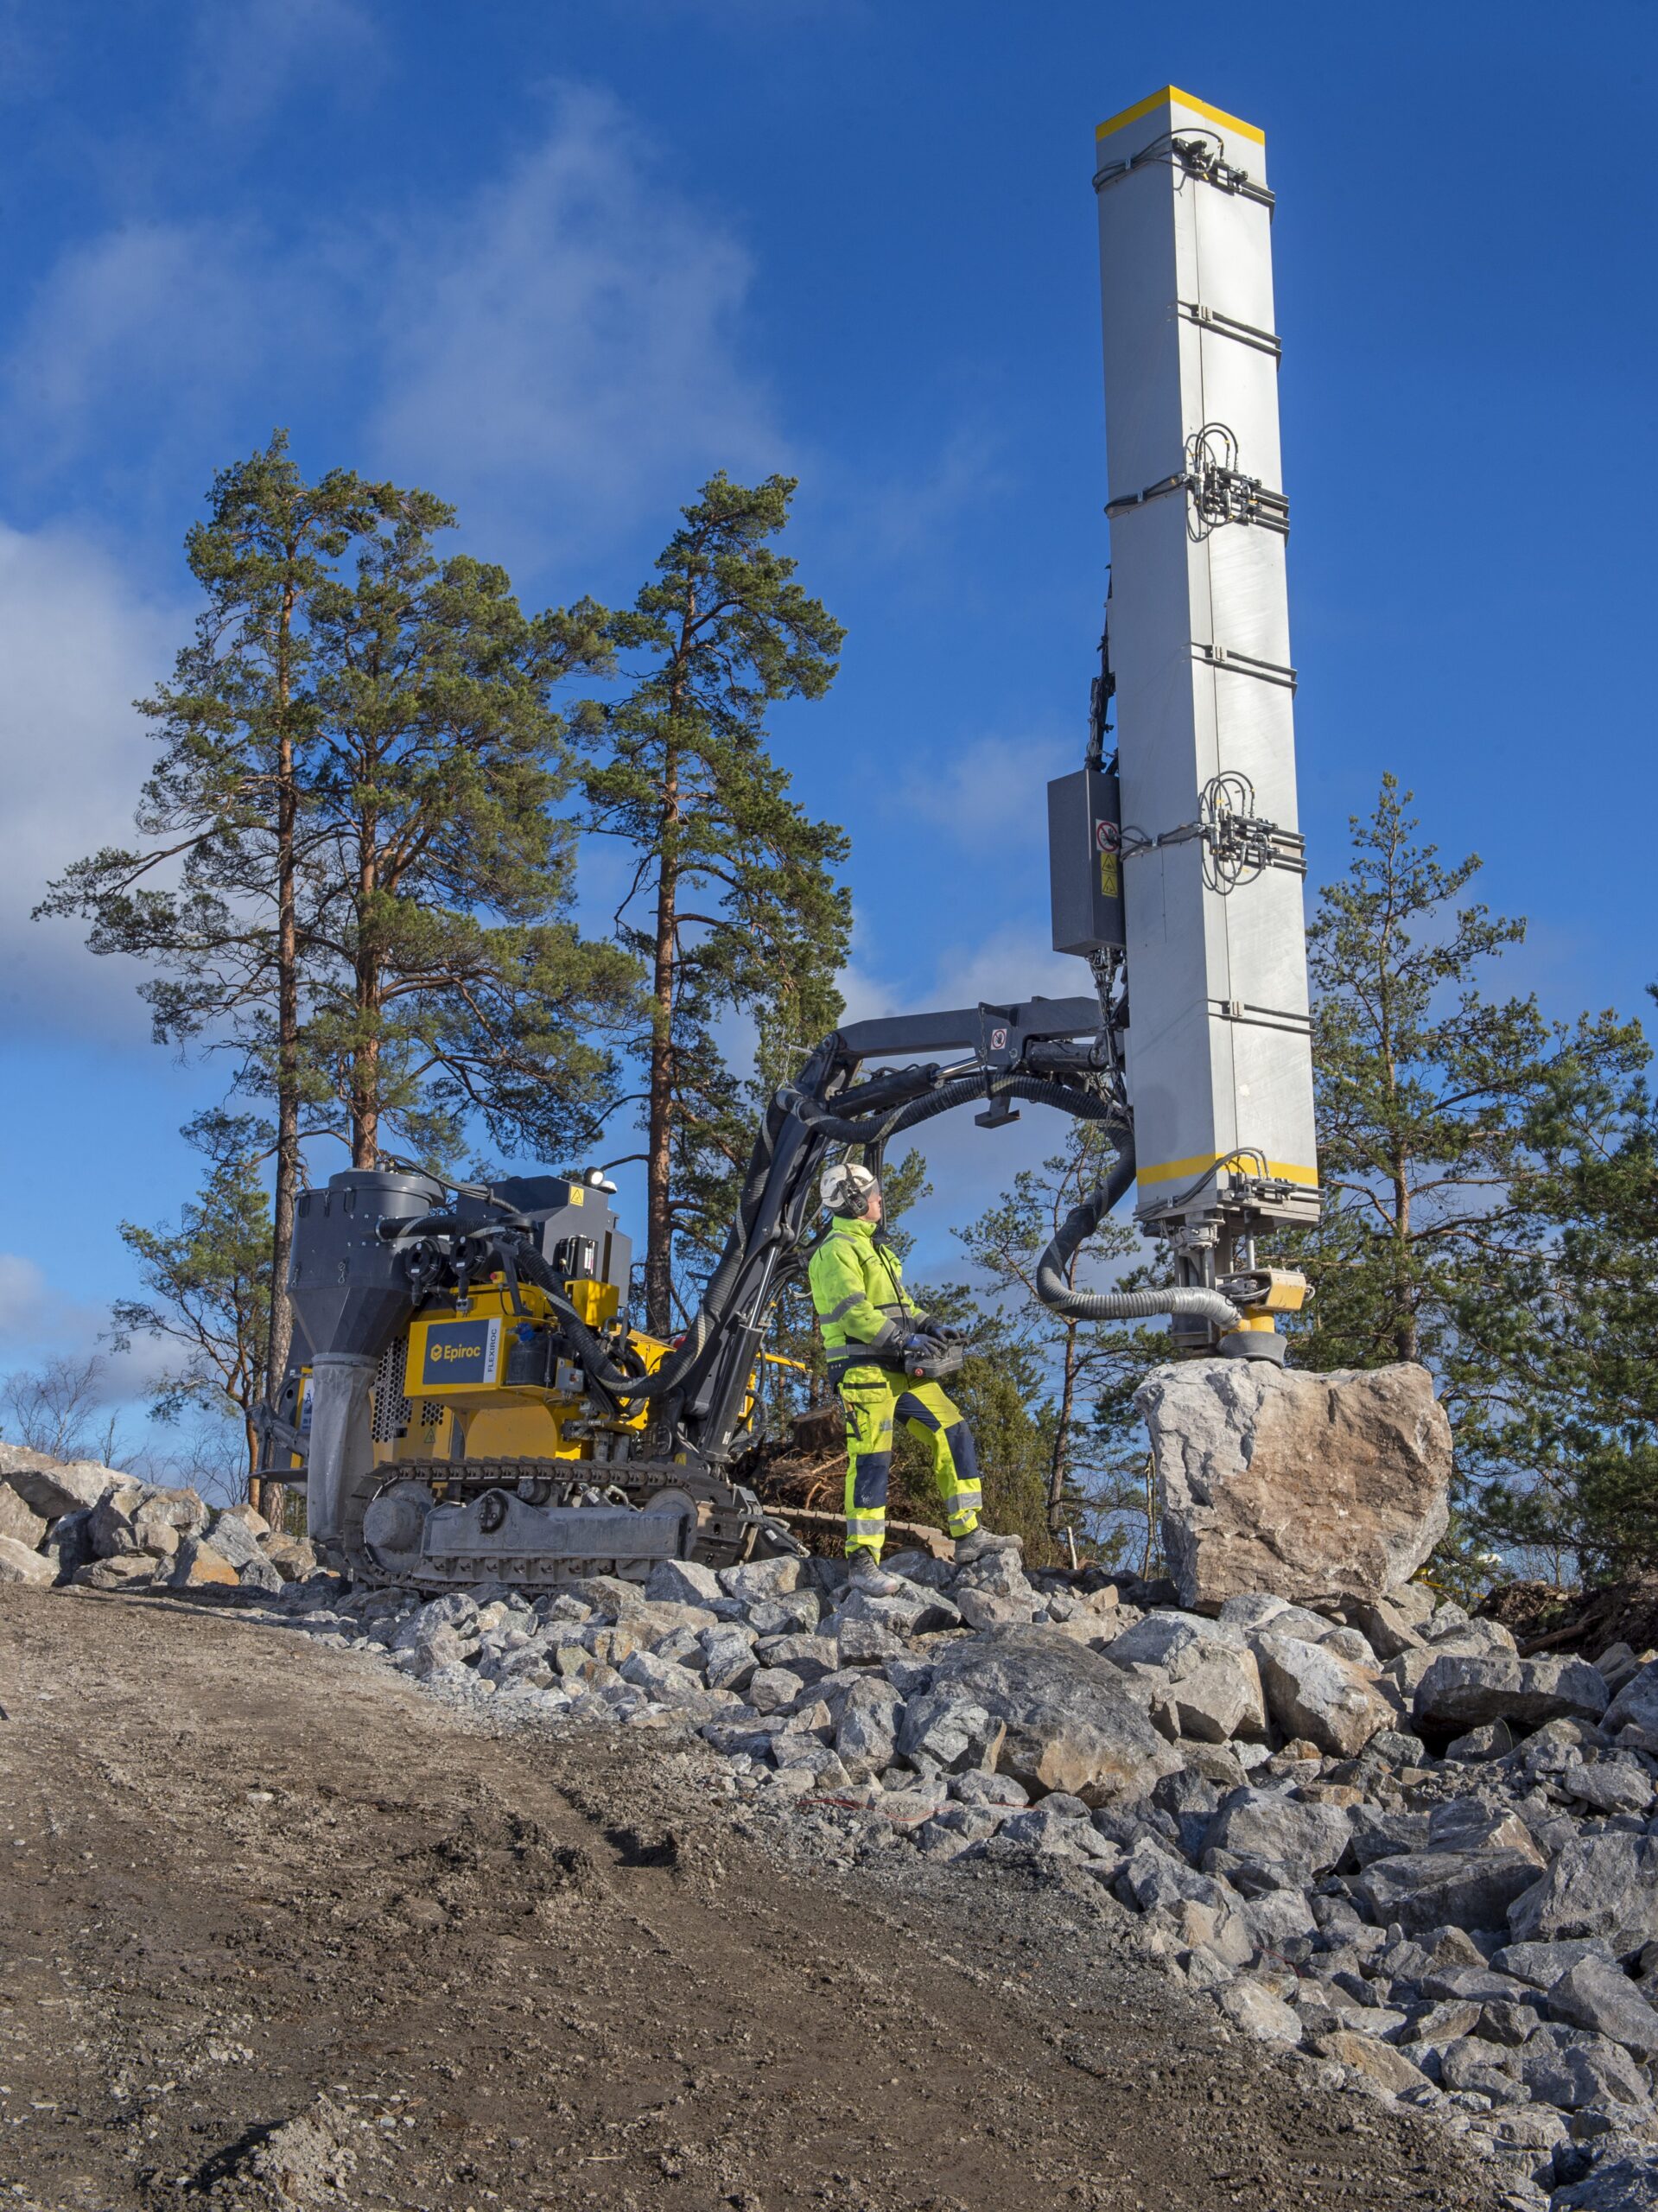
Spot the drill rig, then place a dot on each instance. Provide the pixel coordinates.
(464, 1393)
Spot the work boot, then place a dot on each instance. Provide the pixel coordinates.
(980, 1541)
(865, 1573)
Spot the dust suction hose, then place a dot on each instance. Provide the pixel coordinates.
(1080, 1224)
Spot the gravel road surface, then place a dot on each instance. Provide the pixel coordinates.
(279, 1930)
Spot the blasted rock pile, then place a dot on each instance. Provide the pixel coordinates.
(76, 1522)
(1369, 1832)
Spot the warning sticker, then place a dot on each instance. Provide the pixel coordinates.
(1108, 836)
(1110, 874)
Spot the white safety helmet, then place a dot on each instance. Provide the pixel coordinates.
(845, 1189)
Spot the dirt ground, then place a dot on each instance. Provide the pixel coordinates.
(247, 1884)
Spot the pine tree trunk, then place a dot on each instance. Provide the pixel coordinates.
(1062, 1433)
(267, 1497)
(366, 1057)
(658, 1257)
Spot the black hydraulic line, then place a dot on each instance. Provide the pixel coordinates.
(1079, 1224)
(1084, 1104)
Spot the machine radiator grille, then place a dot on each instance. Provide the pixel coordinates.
(392, 1411)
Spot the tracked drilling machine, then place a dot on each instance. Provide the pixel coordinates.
(466, 1395)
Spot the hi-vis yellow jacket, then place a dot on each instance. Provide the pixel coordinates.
(858, 1291)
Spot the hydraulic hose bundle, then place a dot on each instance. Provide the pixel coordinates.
(1078, 1226)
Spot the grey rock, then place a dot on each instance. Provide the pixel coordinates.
(1312, 1486)
(1264, 1824)
(1446, 2021)
(232, 1538)
(1176, 1642)
(1475, 2065)
(759, 1577)
(662, 1679)
(985, 1608)
(1375, 1832)
(1588, 2073)
(53, 1487)
(1277, 1917)
(1508, 2021)
(859, 1640)
(1055, 1834)
(1604, 1885)
(809, 1656)
(1477, 1824)
(22, 1563)
(1423, 1890)
(1494, 1741)
(1472, 1986)
(1632, 1716)
(1312, 1692)
(1150, 1876)
(1622, 2185)
(1070, 1725)
(728, 1661)
(1541, 1965)
(951, 1731)
(797, 1613)
(260, 1574)
(1458, 1692)
(1250, 2007)
(771, 1688)
(866, 1712)
(977, 1787)
(1608, 1785)
(19, 1521)
(1394, 1623)
(684, 1582)
(1598, 1996)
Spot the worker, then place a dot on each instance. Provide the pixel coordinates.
(874, 1334)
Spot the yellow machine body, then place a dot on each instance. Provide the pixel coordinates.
(490, 1372)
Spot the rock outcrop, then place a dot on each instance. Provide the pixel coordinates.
(1313, 1487)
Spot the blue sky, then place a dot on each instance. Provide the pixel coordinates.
(557, 263)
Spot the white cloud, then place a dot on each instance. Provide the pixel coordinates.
(561, 355)
(77, 642)
(248, 57)
(904, 520)
(39, 1322)
(568, 346)
(992, 794)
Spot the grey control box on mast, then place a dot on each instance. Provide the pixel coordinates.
(1218, 1047)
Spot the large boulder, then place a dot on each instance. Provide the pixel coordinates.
(1215, 1685)
(1316, 1487)
(1313, 1692)
(1071, 1723)
(23, 1563)
(1461, 1693)
(1632, 1716)
(51, 1487)
(1423, 1890)
(1600, 1885)
(20, 1522)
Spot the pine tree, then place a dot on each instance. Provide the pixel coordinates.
(214, 896)
(741, 911)
(458, 986)
(1568, 1446)
(208, 1283)
(1425, 1087)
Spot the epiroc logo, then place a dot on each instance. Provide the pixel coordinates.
(461, 1352)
